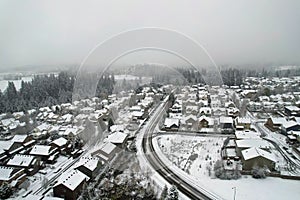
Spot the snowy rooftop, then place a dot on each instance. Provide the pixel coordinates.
(6, 173)
(19, 138)
(249, 143)
(171, 121)
(60, 141)
(193, 117)
(243, 120)
(226, 120)
(293, 108)
(5, 145)
(117, 137)
(256, 152)
(278, 120)
(108, 147)
(289, 124)
(247, 135)
(72, 179)
(208, 119)
(21, 160)
(41, 150)
(90, 163)
(205, 109)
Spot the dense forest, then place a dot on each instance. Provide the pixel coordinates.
(234, 76)
(47, 90)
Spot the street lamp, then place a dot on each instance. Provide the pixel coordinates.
(234, 192)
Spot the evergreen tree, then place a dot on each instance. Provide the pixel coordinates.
(5, 191)
(173, 193)
(164, 193)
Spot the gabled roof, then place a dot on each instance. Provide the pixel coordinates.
(171, 121)
(247, 135)
(208, 119)
(293, 108)
(205, 109)
(88, 162)
(250, 143)
(117, 137)
(226, 120)
(60, 141)
(193, 117)
(5, 145)
(278, 120)
(289, 124)
(6, 173)
(108, 147)
(257, 152)
(21, 160)
(243, 120)
(72, 179)
(43, 150)
(19, 138)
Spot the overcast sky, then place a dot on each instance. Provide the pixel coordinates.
(233, 32)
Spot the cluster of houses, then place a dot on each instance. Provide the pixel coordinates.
(137, 106)
(206, 109)
(32, 140)
(21, 156)
(248, 147)
(202, 109)
(283, 101)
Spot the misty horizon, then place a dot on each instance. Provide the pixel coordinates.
(58, 34)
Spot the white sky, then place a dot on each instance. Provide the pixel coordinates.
(233, 32)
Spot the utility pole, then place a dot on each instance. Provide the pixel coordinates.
(234, 192)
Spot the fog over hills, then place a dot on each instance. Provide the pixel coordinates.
(61, 33)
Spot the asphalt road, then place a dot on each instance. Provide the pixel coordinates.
(150, 154)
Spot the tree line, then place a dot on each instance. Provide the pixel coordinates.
(234, 76)
(48, 90)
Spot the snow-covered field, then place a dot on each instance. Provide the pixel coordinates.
(178, 146)
(195, 155)
(4, 83)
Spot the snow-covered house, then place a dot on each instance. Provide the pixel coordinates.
(226, 124)
(45, 152)
(289, 126)
(118, 138)
(12, 175)
(106, 151)
(191, 110)
(246, 134)
(29, 163)
(60, 143)
(205, 122)
(274, 123)
(250, 143)
(70, 184)
(171, 124)
(218, 111)
(233, 112)
(242, 122)
(205, 111)
(257, 157)
(229, 104)
(189, 121)
(292, 111)
(254, 106)
(89, 166)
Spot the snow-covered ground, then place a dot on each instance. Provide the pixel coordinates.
(195, 155)
(4, 83)
(246, 187)
(36, 181)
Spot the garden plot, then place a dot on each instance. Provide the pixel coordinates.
(195, 155)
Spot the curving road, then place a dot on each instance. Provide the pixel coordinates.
(150, 154)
